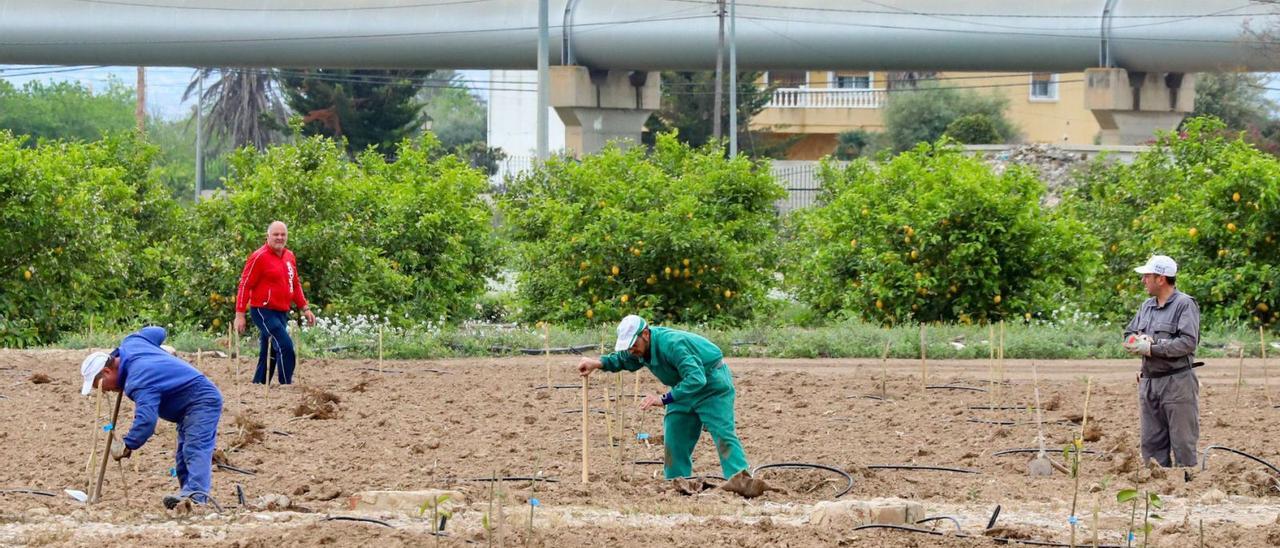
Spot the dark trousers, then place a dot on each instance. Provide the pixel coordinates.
(272, 326)
(1169, 410)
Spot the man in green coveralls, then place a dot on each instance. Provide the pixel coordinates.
(701, 393)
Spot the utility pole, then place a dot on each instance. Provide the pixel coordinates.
(200, 136)
(733, 78)
(140, 112)
(544, 79)
(715, 120)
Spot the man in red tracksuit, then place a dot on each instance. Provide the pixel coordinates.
(269, 285)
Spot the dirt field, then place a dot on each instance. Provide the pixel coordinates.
(435, 424)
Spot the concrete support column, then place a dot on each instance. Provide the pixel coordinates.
(602, 106)
(1131, 106)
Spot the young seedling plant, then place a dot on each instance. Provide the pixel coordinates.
(1151, 500)
(437, 513)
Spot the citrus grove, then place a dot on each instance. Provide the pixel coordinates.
(89, 234)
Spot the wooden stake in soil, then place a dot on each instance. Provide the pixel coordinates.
(1266, 378)
(991, 369)
(585, 466)
(270, 371)
(608, 423)
(623, 435)
(884, 371)
(924, 367)
(93, 429)
(106, 451)
(1240, 376)
(1001, 355)
(546, 352)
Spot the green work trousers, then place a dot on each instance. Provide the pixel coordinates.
(712, 410)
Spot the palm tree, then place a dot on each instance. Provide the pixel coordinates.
(245, 107)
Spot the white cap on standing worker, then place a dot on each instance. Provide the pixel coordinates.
(1159, 264)
(89, 368)
(628, 329)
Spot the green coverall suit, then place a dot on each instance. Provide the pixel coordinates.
(701, 396)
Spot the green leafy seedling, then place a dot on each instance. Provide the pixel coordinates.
(436, 513)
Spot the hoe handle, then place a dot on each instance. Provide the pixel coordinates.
(106, 451)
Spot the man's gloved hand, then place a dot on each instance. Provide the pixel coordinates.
(1138, 344)
(119, 451)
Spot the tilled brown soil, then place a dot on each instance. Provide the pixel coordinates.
(351, 425)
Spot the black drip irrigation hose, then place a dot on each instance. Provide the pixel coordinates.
(27, 492)
(920, 467)
(869, 397)
(362, 520)
(1204, 457)
(579, 411)
(557, 386)
(952, 519)
(801, 465)
(1003, 407)
(515, 478)
(236, 469)
(998, 540)
(240, 495)
(1015, 423)
(649, 462)
(377, 370)
(954, 387)
(281, 432)
(575, 349)
(1047, 451)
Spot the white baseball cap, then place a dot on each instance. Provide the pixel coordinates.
(1159, 264)
(628, 329)
(89, 368)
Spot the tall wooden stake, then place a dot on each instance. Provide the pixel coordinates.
(924, 366)
(546, 352)
(95, 429)
(884, 371)
(991, 369)
(1240, 376)
(1266, 377)
(585, 467)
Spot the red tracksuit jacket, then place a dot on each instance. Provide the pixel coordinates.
(270, 282)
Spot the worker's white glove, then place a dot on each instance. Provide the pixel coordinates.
(1138, 344)
(118, 450)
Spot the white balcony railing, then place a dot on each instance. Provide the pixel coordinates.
(826, 98)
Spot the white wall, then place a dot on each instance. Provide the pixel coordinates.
(513, 117)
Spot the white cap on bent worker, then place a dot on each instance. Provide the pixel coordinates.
(1159, 264)
(89, 368)
(628, 329)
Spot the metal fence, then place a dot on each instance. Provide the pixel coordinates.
(798, 177)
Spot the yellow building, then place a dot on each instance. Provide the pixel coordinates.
(816, 106)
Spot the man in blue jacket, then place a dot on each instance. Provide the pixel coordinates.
(162, 386)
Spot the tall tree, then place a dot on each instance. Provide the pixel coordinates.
(687, 107)
(1237, 98)
(368, 108)
(64, 110)
(244, 106)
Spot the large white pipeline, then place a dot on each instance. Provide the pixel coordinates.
(1004, 35)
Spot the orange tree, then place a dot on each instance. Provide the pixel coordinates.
(82, 234)
(1203, 196)
(408, 238)
(678, 235)
(934, 235)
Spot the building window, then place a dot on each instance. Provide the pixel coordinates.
(787, 78)
(1044, 86)
(853, 82)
